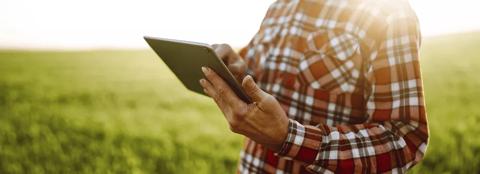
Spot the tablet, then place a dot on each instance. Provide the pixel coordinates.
(185, 60)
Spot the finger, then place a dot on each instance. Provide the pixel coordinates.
(222, 52)
(210, 91)
(215, 47)
(207, 88)
(252, 90)
(232, 57)
(237, 67)
(221, 88)
(226, 53)
(237, 72)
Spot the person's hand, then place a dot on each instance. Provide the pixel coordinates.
(234, 62)
(263, 121)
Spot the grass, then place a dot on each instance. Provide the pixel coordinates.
(106, 112)
(450, 67)
(125, 112)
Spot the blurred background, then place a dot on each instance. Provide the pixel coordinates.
(80, 92)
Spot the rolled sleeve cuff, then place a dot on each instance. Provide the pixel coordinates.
(295, 146)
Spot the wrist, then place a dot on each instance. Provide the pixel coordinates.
(280, 135)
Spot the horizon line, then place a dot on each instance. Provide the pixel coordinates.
(146, 47)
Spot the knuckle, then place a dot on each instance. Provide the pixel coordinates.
(235, 68)
(253, 90)
(238, 119)
(252, 110)
(207, 92)
(221, 91)
(209, 75)
(234, 126)
(239, 112)
(233, 129)
(215, 97)
(219, 52)
(269, 98)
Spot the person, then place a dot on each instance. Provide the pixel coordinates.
(336, 86)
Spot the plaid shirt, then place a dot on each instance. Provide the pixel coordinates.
(347, 74)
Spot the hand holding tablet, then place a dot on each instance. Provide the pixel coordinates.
(232, 60)
(185, 59)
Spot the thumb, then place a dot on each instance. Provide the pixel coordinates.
(252, 90)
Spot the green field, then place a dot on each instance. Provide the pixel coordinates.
(125, 112)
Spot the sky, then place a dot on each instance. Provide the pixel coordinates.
(97, 24)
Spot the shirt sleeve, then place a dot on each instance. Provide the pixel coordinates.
(396, 134)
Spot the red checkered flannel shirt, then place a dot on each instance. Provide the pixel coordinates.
(347, 74)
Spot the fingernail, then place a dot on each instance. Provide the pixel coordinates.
(252, 82)
(204, 70)
(249, 77)
(201, 81)
(245, 79)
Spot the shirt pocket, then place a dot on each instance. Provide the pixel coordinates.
(279, 51)
(332, 62)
